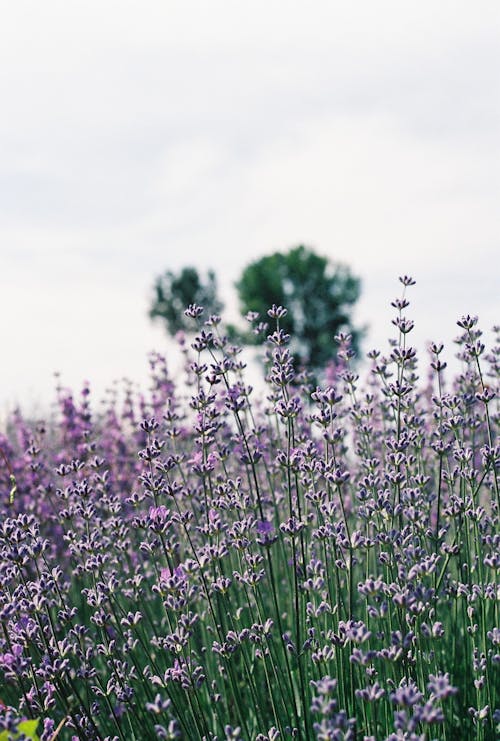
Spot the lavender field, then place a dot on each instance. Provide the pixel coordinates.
(204, 561)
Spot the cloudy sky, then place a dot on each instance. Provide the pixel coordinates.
(141, 136)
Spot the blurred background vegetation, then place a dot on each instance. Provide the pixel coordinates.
(318, 293)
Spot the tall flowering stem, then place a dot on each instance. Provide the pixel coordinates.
(203, 561)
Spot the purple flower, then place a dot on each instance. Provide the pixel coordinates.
(264, 527)
(439, 685)
(406, 695)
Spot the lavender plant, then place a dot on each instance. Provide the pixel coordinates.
(201, 562)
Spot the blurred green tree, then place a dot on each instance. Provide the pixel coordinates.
(318, 294)
(174, 292)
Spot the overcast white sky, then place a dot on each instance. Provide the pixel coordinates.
(141, 136)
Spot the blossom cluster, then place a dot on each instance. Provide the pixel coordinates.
(203, 561)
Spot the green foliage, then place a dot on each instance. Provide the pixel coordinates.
(13, 488)
(317, 293)
(26, 728)
(174, 292)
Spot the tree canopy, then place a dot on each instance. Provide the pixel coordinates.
(174, 292)
(318, 294)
